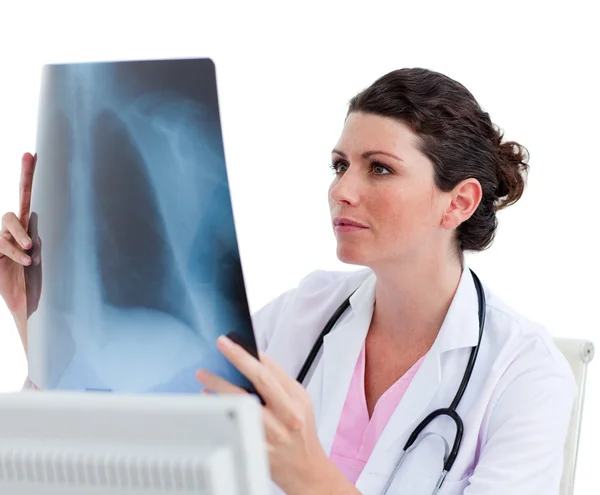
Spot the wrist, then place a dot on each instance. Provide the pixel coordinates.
(20, 318)
(322, 478)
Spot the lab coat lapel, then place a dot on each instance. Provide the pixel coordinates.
(341, 349)
(411, 408)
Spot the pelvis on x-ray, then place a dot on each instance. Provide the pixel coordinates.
(140, 269)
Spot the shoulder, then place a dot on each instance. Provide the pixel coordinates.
(520, 401)
(527, 390)
(315, 296)
(524, 338)
(531, 372)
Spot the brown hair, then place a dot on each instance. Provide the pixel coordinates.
(459, 139)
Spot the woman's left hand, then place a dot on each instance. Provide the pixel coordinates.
(297, 461)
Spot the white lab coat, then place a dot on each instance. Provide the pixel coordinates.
(516, 409)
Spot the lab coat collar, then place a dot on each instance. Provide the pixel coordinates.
(461, 324)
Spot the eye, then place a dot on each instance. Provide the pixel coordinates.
(339, 166)
(380, 169)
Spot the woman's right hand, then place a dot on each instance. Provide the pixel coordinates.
(14, 241)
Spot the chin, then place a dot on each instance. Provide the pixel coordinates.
(351, 255)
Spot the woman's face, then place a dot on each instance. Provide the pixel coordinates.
(385, 185)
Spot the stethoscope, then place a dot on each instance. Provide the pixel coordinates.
(449, 457)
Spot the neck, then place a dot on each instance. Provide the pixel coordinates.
(412, 299)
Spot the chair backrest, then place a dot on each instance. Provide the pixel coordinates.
(578, 353)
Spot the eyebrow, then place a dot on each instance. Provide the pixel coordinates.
(368, 154)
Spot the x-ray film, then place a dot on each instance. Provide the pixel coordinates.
(139, 270)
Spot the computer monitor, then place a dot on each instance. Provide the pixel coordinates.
(81, 443)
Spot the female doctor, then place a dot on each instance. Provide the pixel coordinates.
(407, 376)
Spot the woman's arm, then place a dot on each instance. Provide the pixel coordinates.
(20, 319)
(21, 324)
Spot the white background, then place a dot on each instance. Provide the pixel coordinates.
(285, 74)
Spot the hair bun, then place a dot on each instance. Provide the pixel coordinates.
(512, 171)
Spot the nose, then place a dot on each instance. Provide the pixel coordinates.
(345, 188)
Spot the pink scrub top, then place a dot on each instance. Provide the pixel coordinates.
(356, 434)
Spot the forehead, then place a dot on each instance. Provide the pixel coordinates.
(362, 132)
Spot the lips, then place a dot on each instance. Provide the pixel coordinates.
(348, 222)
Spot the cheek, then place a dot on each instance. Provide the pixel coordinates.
(411, 212)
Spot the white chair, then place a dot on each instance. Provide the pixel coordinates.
(579, 353)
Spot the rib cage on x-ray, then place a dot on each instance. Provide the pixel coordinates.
(140, 258)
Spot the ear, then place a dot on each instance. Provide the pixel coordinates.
(464, 200)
